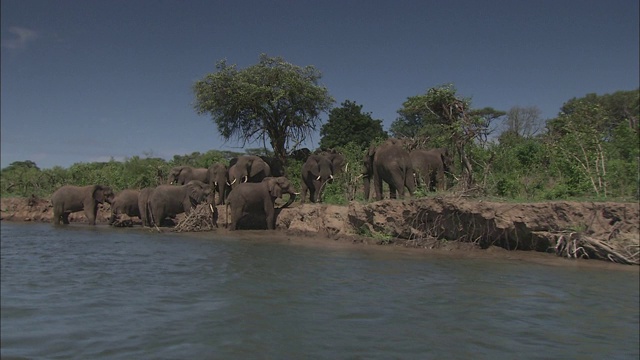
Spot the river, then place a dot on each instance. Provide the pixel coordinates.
(82, 292)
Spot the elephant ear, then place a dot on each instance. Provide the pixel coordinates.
(98, 193)
(274, 188)
(372, 150)
(195, 190)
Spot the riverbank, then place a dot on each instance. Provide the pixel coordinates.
(607, 230)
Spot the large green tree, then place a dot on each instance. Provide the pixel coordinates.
(273, 101)
(348, 123)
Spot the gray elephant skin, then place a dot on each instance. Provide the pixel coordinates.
(219, 181)
(181, 175)
(69, 199)
(143, 206)
(171, 200)
(125, 202)
(430, 167)
(316, 172)
(247, 168)
(337, 159)
(258, 199)
(389, 162)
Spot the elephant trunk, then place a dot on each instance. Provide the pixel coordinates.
(292, 198)
(367, 186)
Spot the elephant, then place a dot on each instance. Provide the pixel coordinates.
(170, 200)
(125, 202)
(430, 166)
(276, 166)
(143, 205)
(337, 159)
(300, 154)
(259, 198)
(219, 181)
(391, 163)
(316, 172)
(69, 198)
(183, 174)
(248, 168)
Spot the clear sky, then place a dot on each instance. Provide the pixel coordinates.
(86, 81)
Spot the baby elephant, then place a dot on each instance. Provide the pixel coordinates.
(259, 198)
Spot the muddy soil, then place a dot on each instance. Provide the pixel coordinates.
(448, 223)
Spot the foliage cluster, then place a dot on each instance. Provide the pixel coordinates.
(590, 150)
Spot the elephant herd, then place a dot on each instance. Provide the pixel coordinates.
(251, 184)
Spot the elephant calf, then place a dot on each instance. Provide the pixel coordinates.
(259, 198)
(69, 199)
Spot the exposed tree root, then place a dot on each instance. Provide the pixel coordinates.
(576, 245)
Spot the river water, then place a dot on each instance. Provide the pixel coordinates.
(82, 292)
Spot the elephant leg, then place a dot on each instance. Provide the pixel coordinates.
(441, 185)
(65, 218)
(91, 213)
(393, 190)
(377, 184)
(303, 192)
(410, 183)
(270, 215)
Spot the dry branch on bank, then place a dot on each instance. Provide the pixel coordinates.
(203, 218)
(576, 245)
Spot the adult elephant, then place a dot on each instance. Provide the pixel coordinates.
(431, 166)
(337, 159)
(389, 162)
(143, 205)
(69, 199)
(276, 166)
(316, 172)
(248, 168)
(183, 174)
(219, 181)
(259, 199)
(125, 202)
(170, 200)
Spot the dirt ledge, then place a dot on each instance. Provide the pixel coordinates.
(437, 222)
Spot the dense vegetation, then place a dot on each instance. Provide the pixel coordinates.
(590, 150)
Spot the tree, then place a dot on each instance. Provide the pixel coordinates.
(272, 100)
(349, 124)
(525, 122)
(579, 138)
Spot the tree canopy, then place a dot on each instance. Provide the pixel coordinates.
(348, 123)
(272, 101)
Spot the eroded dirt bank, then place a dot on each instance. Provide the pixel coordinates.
(435, 223)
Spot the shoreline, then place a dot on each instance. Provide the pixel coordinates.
(433, 225)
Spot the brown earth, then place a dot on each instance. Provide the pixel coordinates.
(448, 223)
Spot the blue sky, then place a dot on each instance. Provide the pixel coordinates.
(86, 81)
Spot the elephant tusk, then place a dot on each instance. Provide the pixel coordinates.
(211, 207)
(296, 193)
(318, 178)
(233, 182)
(331, 176)
(246, 178)
(215, 183)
